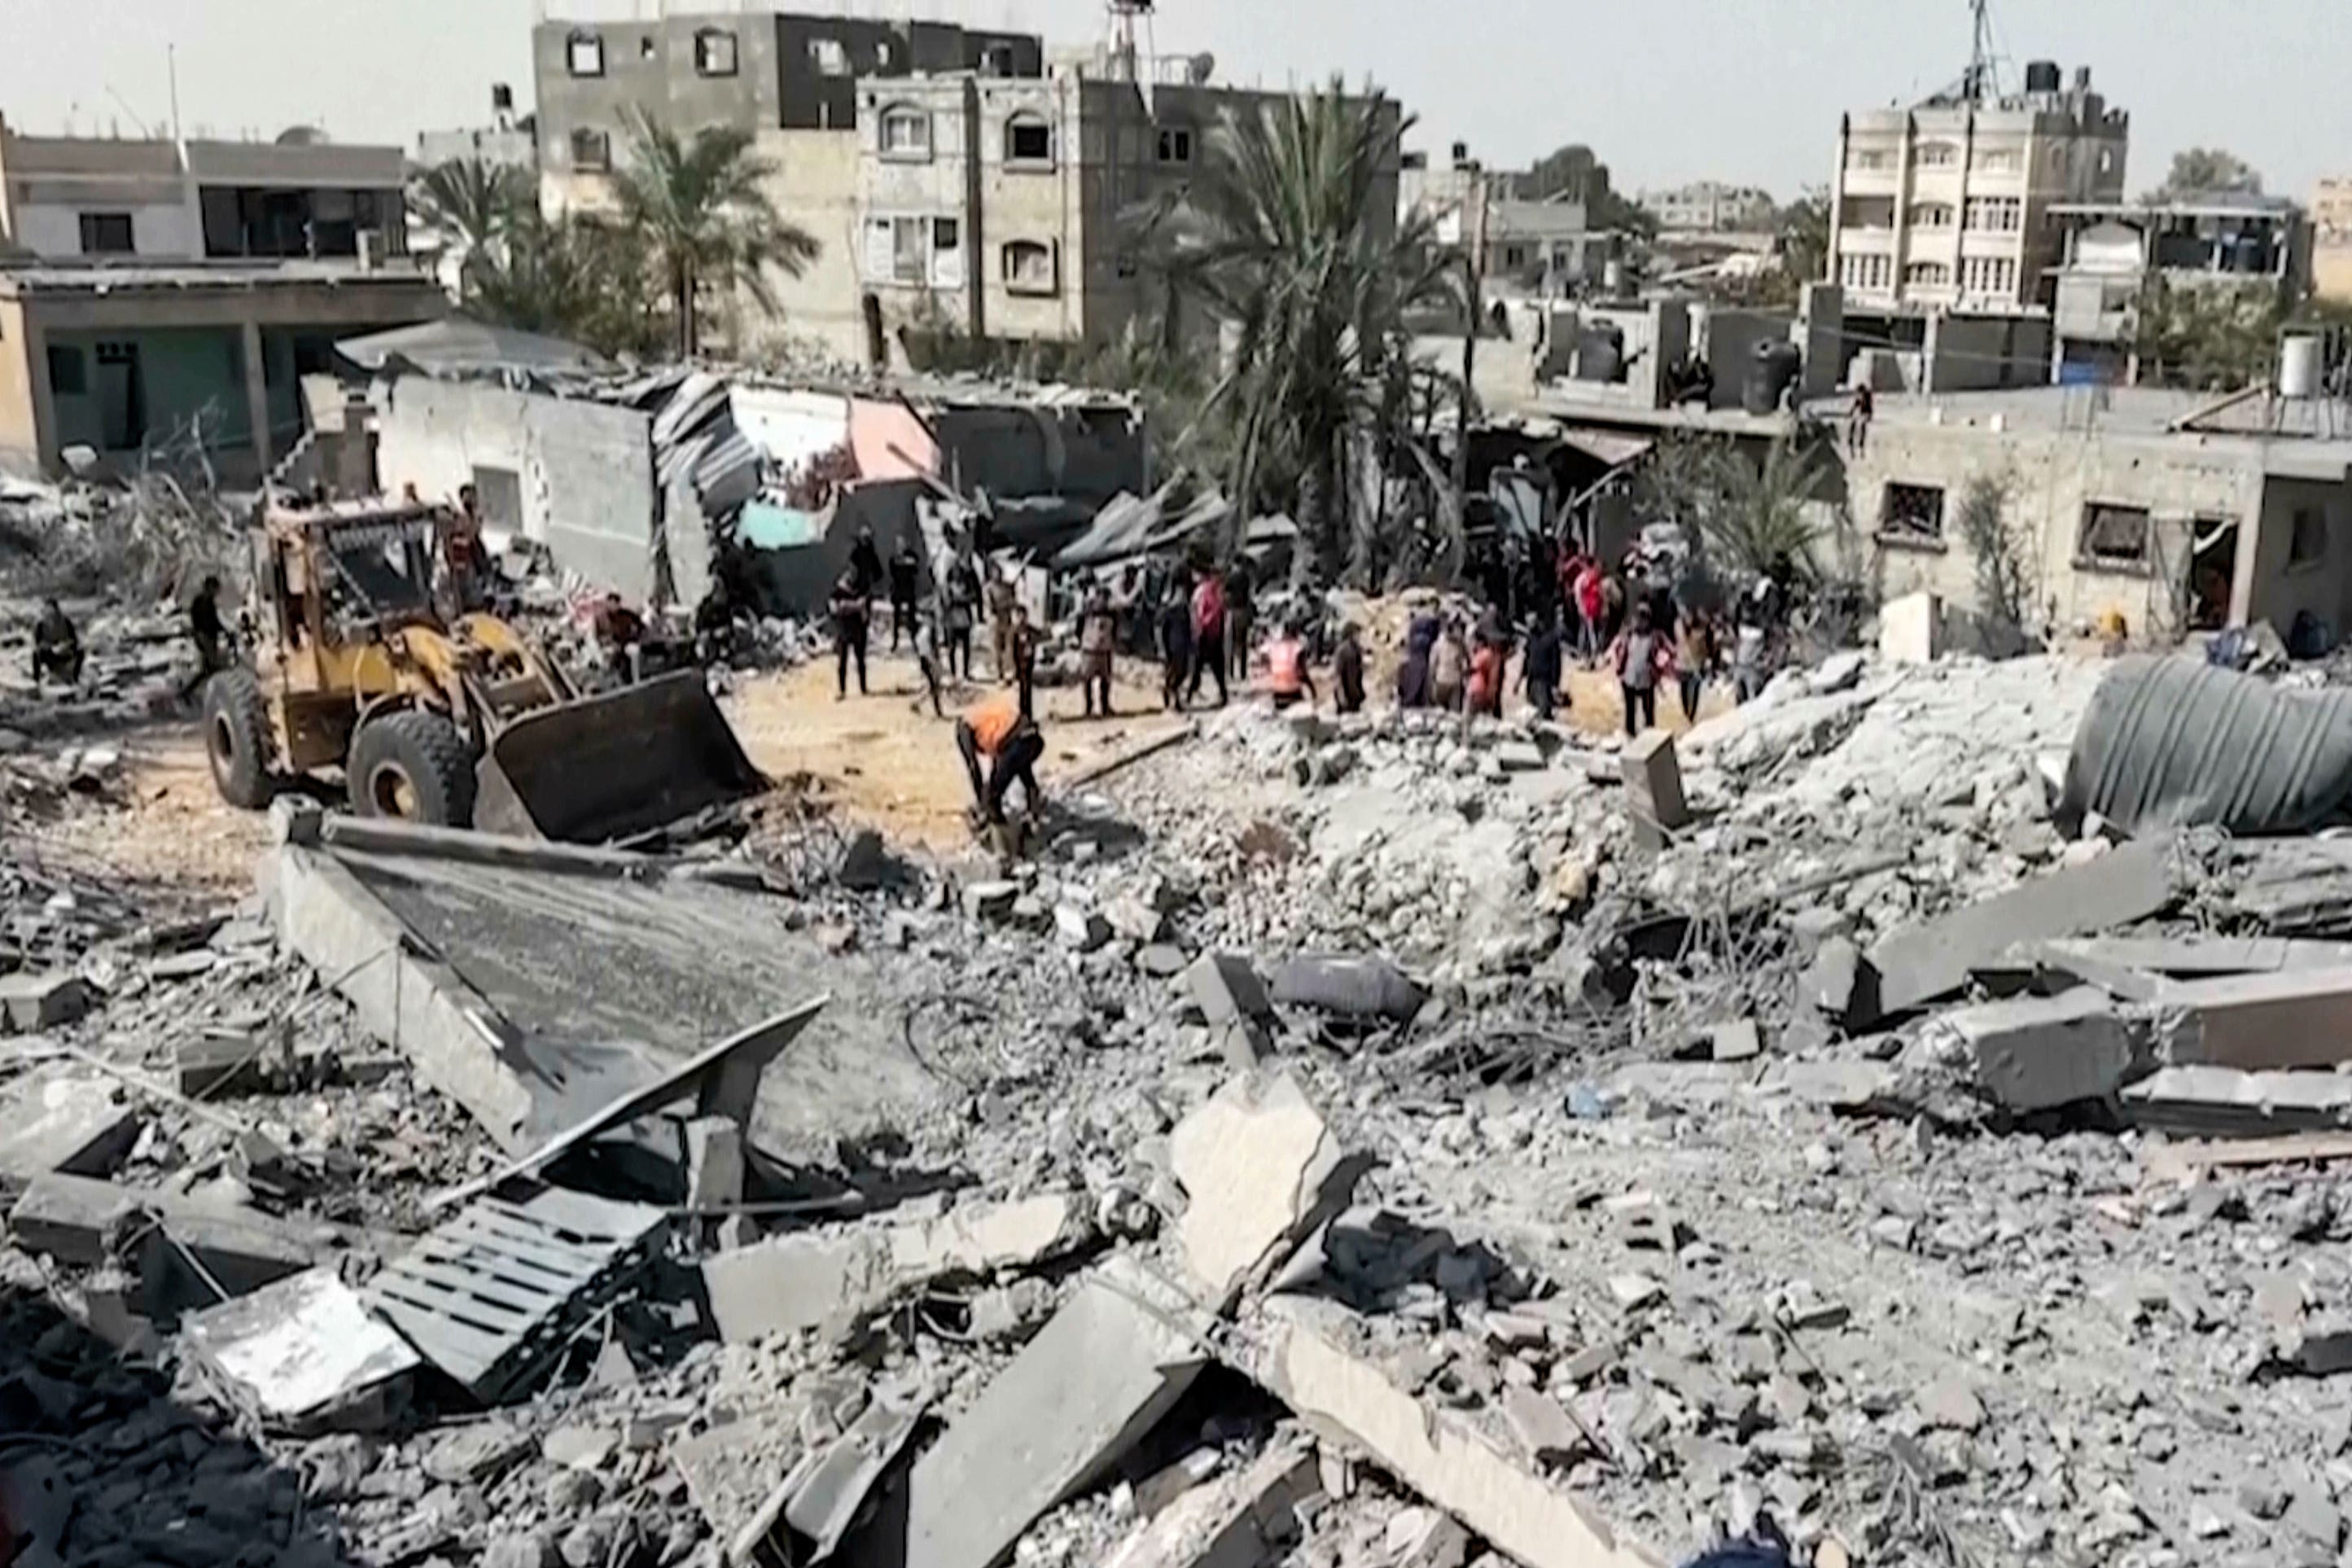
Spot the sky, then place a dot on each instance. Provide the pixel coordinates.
(1664, 90)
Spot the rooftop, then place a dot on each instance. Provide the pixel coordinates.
(2301, 437)
(2211, 203)
(84, 277)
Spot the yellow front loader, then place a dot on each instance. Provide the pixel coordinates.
(456, 720)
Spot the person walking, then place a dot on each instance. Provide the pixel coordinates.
(850, 608)
(210, 636)
(1347, 669)
(1175, 633)
(959, 612)
(1209, 633)
(865, 561)
(1541, 669)
(1642, 657)
(1097, 634)
(906, 580)
(1591, 604)
(1002, 603)
(1694, 657)
(1024, 642)
(1488, 660)
(1449, 668)
(1420, 653)
(1858, 415)
(926, 641)
(1241, 611)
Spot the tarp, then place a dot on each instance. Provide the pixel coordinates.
(2179, 742)
(455, 346)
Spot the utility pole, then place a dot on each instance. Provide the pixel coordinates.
(1474, 272)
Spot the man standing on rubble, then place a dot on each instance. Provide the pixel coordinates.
(957, 582)
(1541, 669)
(998, 730)
(1241, 611)
(211, 638)
(850, 608)
(1176, 641)
(57, 646)
(1642, 657)
(866, 560)
(1024, 640)
(1287, 676)
(905, 578)
(1209, 633)
(1347, 669)
(1002, 604)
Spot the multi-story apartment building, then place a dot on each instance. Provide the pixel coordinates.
(1947, 205)
(953, 183)
(152, 288)
(1709, 206)
(2331, 238)
(2113, 250)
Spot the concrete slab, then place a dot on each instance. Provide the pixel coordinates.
(1242, 1520)
(831, 1492)
(1920, 963)
(1227, 988)
(793, 1284)
(2226, 1100)
(1911, 629)
(1437, 1453)
(2294, 1018)
(1261, 1170)
(304, 1355)
(534, 995)
(2034, 1053)
(77, 1124)
(1653, 788)
(77, 1220)
(1097, 1377)
(31, 1000)
(2203, 957)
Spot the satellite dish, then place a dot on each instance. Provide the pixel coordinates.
(301, 136)
(1199, 68)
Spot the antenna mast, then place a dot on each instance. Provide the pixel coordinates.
(1123, 58)
(1978, 85)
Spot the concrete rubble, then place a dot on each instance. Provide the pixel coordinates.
(1422, 1164)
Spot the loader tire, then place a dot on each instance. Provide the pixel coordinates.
(416, 766)
(238, 740)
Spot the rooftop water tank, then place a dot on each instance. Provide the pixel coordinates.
(2298, 374)
(2042, 76)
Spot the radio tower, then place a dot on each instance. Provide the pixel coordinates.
(1977, 84)
(1123, 54)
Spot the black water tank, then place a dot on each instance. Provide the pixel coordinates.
(2042, 76)
(1768, 374)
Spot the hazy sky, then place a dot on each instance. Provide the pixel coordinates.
(1665, 90)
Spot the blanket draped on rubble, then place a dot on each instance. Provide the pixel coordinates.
(2172, 743)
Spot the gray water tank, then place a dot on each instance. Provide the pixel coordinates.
(2042, 76)
(1776, 365)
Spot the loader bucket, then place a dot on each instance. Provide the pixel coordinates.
(614, 764)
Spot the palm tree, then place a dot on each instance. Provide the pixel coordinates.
(571, 277)
(474, 205)
(706, 216)
(1287, 237)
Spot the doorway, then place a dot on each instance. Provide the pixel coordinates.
(877, 348)
(122, 399)
(2213, 573)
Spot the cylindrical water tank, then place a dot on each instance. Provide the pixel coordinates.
(2298, 374)
(2042, 76)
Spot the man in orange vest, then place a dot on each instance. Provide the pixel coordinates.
(998, 730)
(1287, 676)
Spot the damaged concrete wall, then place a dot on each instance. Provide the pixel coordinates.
(584, 470)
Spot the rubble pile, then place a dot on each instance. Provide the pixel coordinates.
(1366, 1140)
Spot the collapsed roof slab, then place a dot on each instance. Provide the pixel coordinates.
(538, 990)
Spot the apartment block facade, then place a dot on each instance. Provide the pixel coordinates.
(2331, 238)
(955, 184)
(1947, 205)
(1709, 206)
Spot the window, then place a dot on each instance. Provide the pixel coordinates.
(1028, 268)
(1989, 275)
(1931, 214)
(2306, 542)
(996, 60)
(583, 54)
(68, 372)
(1865, 158)
(106, 234)
(1912, 512)
(2114, 534)
(947, 253)
(1870, 273)
(1997, 160)
(590, 149)
(1175, 144)
(1934, 155)
(714, 52)
(1028, 140)
(2107, 159)
(915, 250)
(1927, 275)
(905, 132)
(828, 57)
(1514, 258)
(2001, 215)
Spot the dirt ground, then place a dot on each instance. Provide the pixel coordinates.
(171, 828)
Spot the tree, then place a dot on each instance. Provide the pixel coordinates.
(474, 205)
(1284, 234)
(1802, 229)
(2206, 171)
(2209, 335)
(2003, 560)
(708, 225)
(1575, 174)
(571, 277)
(1744, 514)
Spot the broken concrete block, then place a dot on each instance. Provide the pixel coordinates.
(1245, 1519)
(1836, 1084)
(991, 902)
(1367, 988)
(1519, 757)
(77, 1220)
(1920, 963)
(1911, 629)
(2036, 1052)
(1950, 1404)
(866, 864)
(1226, 987)
(1436, 1453)
(714, 1163)
(304, 1354)
(2227, 1102)
(30, 1001)
(1078, 1397)
(1136, 918)
(81, 1124)
(2294, 1018)
(1080, 930)
(209, 1065)
(1161, 961)
(1834, 983)
(1736, 1041)
(790, 1284)
(1543, 1428)
(1653, 788)
(1260, 1169)
(826, 1501)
